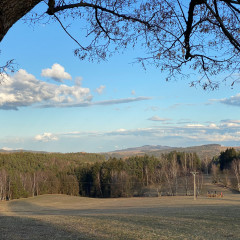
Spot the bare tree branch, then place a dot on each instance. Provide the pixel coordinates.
(230, 37)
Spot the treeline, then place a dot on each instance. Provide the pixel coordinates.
(27, 174)
(137, 176)
(226, 169)
(30, 174)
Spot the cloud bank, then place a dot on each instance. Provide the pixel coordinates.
(226, 132)
(23, 90)
(233, 100)
(101, 103)
(221, 133)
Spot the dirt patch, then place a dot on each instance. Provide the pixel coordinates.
(66, 217)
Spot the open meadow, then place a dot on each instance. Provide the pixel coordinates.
(66, 217)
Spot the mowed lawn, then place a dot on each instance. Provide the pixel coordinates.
(65, 217)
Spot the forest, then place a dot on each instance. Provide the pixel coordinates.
(26, 174)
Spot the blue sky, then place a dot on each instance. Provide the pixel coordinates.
(55, 102)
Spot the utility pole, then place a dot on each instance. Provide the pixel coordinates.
(194, 184)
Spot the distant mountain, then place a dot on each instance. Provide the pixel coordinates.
(203, 151)
(20, 150)
(144, 148)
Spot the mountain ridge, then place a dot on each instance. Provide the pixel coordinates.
(203, 151)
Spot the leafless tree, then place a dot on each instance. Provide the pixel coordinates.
(215, 173)
(3, 184)
(206, 164)
(159, 179)
(171, 168)
(199, 34)
(226, 178)
(236, 170)
(186, 175)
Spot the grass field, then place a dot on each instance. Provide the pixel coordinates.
(65, 217)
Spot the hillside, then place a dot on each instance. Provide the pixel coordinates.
(20, 150)
(203, 151)
(209, 150)
(69, 218)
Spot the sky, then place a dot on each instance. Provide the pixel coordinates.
(58, 103)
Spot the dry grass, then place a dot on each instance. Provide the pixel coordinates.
(65, 217)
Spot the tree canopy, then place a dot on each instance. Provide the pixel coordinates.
(202, 35)
(226, 158)
(25, 174)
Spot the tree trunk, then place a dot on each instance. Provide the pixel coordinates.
(34, 185)
(12, 11)
(236, 169)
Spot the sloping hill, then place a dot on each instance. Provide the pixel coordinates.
(209, 150)
(69, 218)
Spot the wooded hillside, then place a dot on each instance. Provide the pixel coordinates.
(27, 174)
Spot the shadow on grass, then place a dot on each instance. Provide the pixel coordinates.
(25, 208)
(13, 228)
(184, 222)
(33, 222)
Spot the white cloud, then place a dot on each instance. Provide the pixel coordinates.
(102, 103)
(122, 100)
(78, 81)
(121, 130)
(228, 123)
(177, 135)
(212, 133)
(46, 137)
(7, 149)
(212, 125)
(23, 89)
(100, 89)
(159, 119)
(57, 73)
(195, 125)
(233, 100)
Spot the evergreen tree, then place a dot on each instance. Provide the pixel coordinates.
(226, 158)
